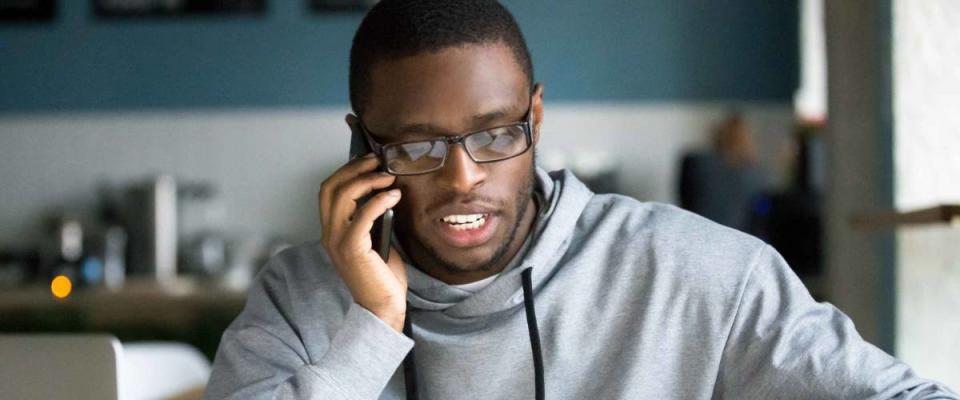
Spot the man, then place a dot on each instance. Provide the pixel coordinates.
(514, 283)
(723, 183)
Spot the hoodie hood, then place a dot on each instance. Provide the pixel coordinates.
(564, 198)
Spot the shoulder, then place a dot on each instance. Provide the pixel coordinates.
(667, 240)
(658, 221)
(300, 277)
(296, 299)
(305, 262)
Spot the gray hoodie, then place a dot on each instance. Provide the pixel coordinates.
(632, 301)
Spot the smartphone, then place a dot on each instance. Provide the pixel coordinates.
(383, 225)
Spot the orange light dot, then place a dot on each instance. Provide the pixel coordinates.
(61, 286)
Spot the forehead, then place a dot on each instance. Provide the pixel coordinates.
(445, 89)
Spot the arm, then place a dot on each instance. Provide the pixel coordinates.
(262, 356)
(783, 344)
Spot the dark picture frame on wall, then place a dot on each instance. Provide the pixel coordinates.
(27, 10)
(166, 8)
(325, 6)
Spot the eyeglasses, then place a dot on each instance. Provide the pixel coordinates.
(483, 146)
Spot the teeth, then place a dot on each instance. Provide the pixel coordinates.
(464, 222)
(469, 225)
(462, 218)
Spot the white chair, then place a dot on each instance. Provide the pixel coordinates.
(162, 370)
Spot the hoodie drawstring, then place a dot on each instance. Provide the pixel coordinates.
(410, 367)
(534, 331)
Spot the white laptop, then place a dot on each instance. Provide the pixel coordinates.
(59, 366)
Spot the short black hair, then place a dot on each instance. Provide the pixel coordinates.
(395, 29)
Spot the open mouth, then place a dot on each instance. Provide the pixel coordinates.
(463, 222)
(468, 228)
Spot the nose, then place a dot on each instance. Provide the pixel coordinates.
(460, 173)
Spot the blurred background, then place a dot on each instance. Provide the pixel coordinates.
(154, 153)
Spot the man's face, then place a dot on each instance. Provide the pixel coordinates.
(452, 92)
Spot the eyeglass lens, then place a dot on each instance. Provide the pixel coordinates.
(484, 146)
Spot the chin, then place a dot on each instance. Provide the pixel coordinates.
(460, 260)
(466, 260)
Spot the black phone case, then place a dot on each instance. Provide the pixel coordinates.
(383, 225)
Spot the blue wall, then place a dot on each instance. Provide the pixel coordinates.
(726, 50)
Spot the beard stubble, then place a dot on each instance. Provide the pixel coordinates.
(523, 196)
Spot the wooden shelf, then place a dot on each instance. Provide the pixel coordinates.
(191, 314)
(135, 295)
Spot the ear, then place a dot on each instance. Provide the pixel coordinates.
(352, 121)
(537, 111)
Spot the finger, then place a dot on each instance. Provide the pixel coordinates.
(352, 169)
(364, 217)
(324, 200)
(330, 185)
(348, 195)
(324, 225)
(351, 192)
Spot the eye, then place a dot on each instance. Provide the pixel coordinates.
(414, 151)
(481, 139)
(496, 143)
(504, 139)
(414, 157)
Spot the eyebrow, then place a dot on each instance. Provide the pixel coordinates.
(478, 121)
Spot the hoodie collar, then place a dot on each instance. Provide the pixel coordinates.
(563, 198)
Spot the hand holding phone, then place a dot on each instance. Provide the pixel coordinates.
(379, 286)
(383, 225)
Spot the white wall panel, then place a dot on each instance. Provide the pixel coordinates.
(268, 164)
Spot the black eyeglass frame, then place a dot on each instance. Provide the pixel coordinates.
(526, 124)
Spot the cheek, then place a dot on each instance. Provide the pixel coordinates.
(511, 177)
(412, 196)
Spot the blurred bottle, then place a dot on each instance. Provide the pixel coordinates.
(203, 246)
(113, 237)
(63, 249)
(17, 267)
(151, 208)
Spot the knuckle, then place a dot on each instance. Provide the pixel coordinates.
(351, 233)
(337, 193)
(383, 198)
(369, 211)
(374, 205)
(350, 247)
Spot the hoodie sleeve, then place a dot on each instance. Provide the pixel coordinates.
(262, 356)
(783, 344)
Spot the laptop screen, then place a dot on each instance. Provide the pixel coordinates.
(59, 366)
